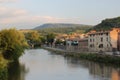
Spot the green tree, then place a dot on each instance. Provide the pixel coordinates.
(12, 43)
(43, 39)
(50, 38)
(33, 38)
(3, 68)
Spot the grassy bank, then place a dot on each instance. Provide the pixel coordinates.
(107, 59)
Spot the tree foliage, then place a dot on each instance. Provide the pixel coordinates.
(50, 38)
(65, 30)
(12, 43)
(33, 38)
(107, 24)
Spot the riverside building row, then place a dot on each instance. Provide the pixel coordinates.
(96, 41)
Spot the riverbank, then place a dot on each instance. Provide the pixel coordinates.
(102, 58)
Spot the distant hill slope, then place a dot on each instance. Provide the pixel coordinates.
(62, 28)
(52, 25)
(107, 24)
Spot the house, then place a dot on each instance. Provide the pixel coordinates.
(103, 40)
(72, 44)
(119, 41)
(77, 43)
(83, 44)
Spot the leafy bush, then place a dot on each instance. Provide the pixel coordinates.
(12, 43)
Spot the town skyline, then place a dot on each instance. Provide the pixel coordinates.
(25, 14)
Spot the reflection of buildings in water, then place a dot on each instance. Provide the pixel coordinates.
(74, 63)
(100, 70)
(116, 74)
(96, 70)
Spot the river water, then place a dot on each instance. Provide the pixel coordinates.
(40, 64)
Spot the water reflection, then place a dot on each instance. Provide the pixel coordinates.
(46, 66)
(116, 74)
(17, 71)
(97, 71)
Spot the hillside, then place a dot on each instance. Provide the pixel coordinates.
(107, 24)
(60, 25)
(62, 28)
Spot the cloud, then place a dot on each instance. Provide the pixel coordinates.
(4, 1)
(23, 19)
(11, 12)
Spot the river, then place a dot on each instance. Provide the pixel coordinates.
(40, 64)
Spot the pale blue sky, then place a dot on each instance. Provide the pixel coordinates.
(31, 13)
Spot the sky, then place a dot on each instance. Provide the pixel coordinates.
(28, 14)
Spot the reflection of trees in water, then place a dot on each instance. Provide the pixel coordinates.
(17, 71)
(96, 70)
(74, 62)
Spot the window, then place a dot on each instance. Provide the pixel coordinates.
(117, 30)
(101, 39)
(91, 45)
(106, 34)
(107, 45)
(107, 39)
(93, 40)
(90, 40)
(101, 46)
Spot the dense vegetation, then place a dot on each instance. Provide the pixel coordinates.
(66, 30)
(36, 39)
(12, 44)
(3, 68)
(107, 24)
(62, 28)
(50, 38)
(62, 25)
(33, 38)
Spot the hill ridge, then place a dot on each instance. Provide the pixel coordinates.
(51, 25)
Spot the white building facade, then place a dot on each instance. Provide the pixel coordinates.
(103, 40)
